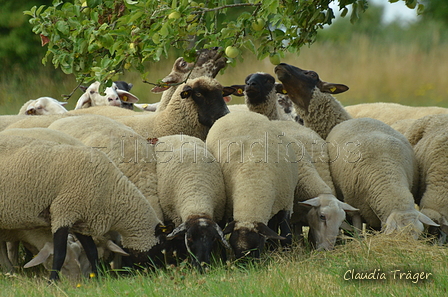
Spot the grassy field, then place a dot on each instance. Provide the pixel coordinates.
(389, 72)
(409, 268)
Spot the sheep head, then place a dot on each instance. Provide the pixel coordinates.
(300, 84)
(208, 95)
(248, 239)
(45, 106)
(410, 221)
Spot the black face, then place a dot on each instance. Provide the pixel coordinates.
(258, 87)
(201, 240)
(210, 103)
(245, 242)
(298, 83)
(122, 85)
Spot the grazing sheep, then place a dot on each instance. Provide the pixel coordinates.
(429, 137)
(113, 96)
(43, 106)
(260, 175)
(192, 195)
(192, 110)
(208, 63)
(390, 113)
(130, 152)
(372, 165)
(88, 195)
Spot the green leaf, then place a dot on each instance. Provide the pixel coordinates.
(93, 3)
(62, 27)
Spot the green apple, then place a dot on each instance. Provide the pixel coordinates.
(258, 25)
(174, 15)
(274, 58)
(232, 52)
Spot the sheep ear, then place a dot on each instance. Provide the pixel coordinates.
(280, 89)
(126, 96)
(113, 247)
(164, 229)
(229, 228)
(62, 102)
(333, 88)
(42, 256)
(239, 90)
(426, 220)
(221, 237)
(186, 92)
(226, 91)
(85, 98)
(268, 232)
(347, 207)
(179, 230)
(313, 202)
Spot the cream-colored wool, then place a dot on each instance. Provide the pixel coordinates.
(6, 120)
(390, 113)
(190, 182)
(88, 193)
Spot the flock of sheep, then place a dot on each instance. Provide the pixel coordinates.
(105, 183)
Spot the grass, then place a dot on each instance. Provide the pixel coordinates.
(409, 74)
(295, 273)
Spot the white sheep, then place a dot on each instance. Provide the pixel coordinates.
(390, 113)
(208, 63)
(192, 195)
(6, 120)
(88, 195)
(113, 96)
(192, 110)
(43, 106)
(429, 137)
(130, 152)
(260, 175)
(372, 165)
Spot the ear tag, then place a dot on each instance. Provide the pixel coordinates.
(240, 91)
(125, 98)
(284, 91)
(332, 89)
(184, 94)
(153, 141)
(145, 105)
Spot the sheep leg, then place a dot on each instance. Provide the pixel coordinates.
(13, 252)
(91, 251)
(60, 238)
(5, 263)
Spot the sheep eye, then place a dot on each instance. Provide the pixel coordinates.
(198, 95)
(322, 218)
(92, 92)
(183, 64)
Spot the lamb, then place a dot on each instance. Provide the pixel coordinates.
(192, 110)
(372, 165)
(429, 138)
(208, 63)
(259, 178)
(43, 106)
(88, 195)
(113, 96)
(390, 113)
(192, 195)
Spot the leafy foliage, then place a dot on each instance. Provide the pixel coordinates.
(98, 39)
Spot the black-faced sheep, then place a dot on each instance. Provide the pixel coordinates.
(88, 195)
(372, 165)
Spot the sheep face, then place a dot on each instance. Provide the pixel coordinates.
(408, 221)
(45, 106)
(208, 99)
(258, 87)
(200, 235)
(249, 239)
(300, 84)
(325, 217)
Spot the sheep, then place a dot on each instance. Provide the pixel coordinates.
(259, 178)
(192, 195)
(113, 96)
(378, 172)
(129, 151)
(314, 172)
(260, 93)
(208, 63)
(124, 86)
(147, 106)
(35, 122)
(43, 106)
(6, 120)
(88, 195)
(109, 111)
(192, 110)
(429, 138)
(389, 113)
(40, 243)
